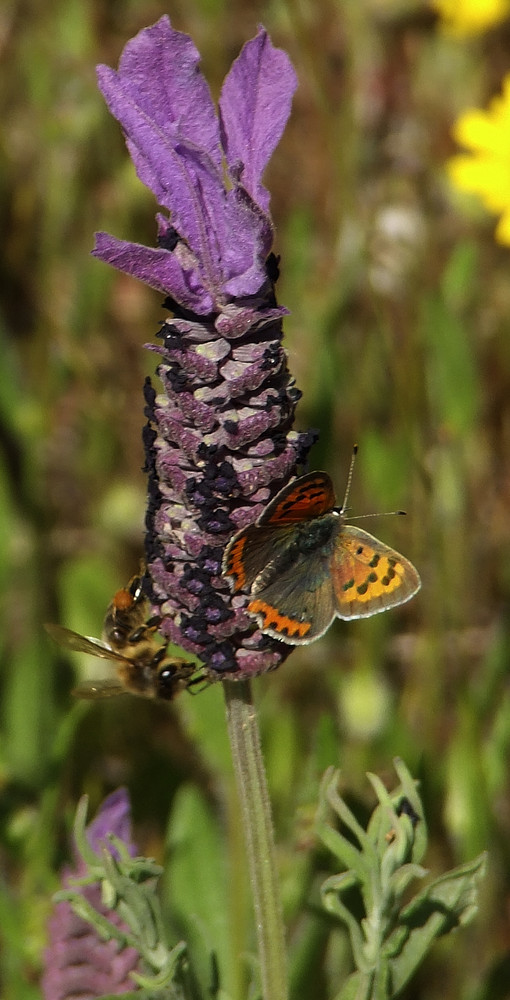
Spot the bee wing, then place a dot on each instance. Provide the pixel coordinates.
(98, 689)
(68, 639)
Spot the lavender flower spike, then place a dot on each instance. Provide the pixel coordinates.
(219, 442)
(77, 963)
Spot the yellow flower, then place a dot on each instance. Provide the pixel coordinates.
(485, 171)
(469, 17)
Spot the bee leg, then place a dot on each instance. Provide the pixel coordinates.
(140, 633)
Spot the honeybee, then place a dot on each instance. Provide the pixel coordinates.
(142, 664)
(127, 621)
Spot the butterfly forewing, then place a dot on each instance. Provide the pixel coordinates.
(254, 548)
(234, 559)
(303, 499)
(252, 552)
(368, 576)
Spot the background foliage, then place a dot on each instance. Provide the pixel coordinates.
(399, 339)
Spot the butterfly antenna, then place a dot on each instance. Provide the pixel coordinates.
(358, 517)
(349, 477)
(382, 513)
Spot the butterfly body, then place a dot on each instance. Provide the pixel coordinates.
(312, 539)
(302, 565)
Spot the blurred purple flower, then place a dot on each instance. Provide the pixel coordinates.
(77, 963)
(219, 441)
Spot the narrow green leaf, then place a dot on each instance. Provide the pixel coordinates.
(356, 987)
(455, 892)
(446, 903)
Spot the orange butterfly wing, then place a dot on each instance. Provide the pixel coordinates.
(252, 548)
(368, 576)
(303, 499)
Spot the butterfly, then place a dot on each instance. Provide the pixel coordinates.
(302, 565)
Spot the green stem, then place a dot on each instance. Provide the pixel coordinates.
(258, 829)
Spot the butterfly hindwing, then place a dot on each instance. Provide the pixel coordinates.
(292, 613)
(368, 576)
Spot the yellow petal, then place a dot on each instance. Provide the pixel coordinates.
(478, 131)
(502, 233)
(485, 176)
(466, 17)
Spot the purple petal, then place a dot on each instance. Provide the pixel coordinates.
(182, 175)
(114, 816)
(172, 133)
(248, 240)
(157, 268)
(161, 66)
(254, 108)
